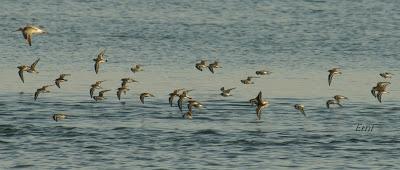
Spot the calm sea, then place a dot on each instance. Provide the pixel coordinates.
(297, 40)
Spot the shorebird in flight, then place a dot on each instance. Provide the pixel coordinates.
(331, 102)
(95, 86)
(183, 96)
(61, 79)
(101, 95)
(99, 60)
(213, 65)
(226, 92)
(263, 72)
(136, 68)
(200, 66)
(120, 90)
(173, 94)
(29, 30)
(300, 108)
(193, 103)
(248, 80)
(143, 95)
(333, 72)
(59, 116)
(261, 104)
(386, 75)
(43, 89)
(339, 98)
(125, 81)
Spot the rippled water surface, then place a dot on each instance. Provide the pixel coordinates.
(297, 40)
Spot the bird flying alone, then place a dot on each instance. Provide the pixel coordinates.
(300, 108)
(333, 72)
(29, 30)
(43, 89)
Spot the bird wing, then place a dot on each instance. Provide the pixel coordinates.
(180, 102)
(34, 64)
(29, 39)
(119, 94)
(142, 98)
(327, 104)
(259, 97)
(36, 94)
(21, 75)
(91, 91)
(330, 76)
(211, 68)
(170, 99)
(258, 112)
(379, 96)
(302, 111)
(58, 83)
(96, 67)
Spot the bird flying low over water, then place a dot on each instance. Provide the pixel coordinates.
(263, 72)
(300, 108)
(213, 66)
(43, 89)
(127, 80)
(331, 102)
(29, 69)
(173, 94)
(59, 116)
(94, 86)
(29, 30)
(61, 79)
(386, 75)
(120, 90)
(99, 60)
(333, 72)
(187, 115)
(380, 89)
(183, 96)
(261, 104)
(193, 103)
(136, 68)
(143, 95)
(248, 80)
(226, 92)
(101, 95)
(200, 66)
(339, 98)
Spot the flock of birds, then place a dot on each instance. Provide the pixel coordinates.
(29, 30)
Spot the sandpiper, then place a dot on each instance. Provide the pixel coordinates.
(43, 89)
(193, 103)
(59, 116)
(263, 72)
(136, 68)
(379, 85)
(213, 65)
(200, 66)
(381, 89)
(183, 96)
(226, 92)
(101, 95)
(30, 30)
(99, 60)
(300, 107)
(21, 70)
(32, 68)
(261, 104)
(248, 80)
(333, 72)
(330, 102)
(61, 79)
(95, 86)
(339, 98)
(125, 81)
(143, 95)
(172, 95)
(386, 75)
(120, 90)
(187, 115)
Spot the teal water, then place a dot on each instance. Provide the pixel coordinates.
(297, 40)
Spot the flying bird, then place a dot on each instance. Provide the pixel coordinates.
(94, 86)
(213, 65)
(136, 68)
(300, 108)
(261, 104)
(29, 30)
(43, 89)
(248, 80)
(173, 94)
(61, 79)
(333, 72)
(143, 95)
(200, 66)
(101, 95)
(226, 92)
(99, 60)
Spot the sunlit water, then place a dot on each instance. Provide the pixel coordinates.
(297, 40)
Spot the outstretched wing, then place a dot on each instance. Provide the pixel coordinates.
(142, 98)
(36, 95)
(91, 91)
(96, 67)
(21, 75)
(34, 64)
(330, 76)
